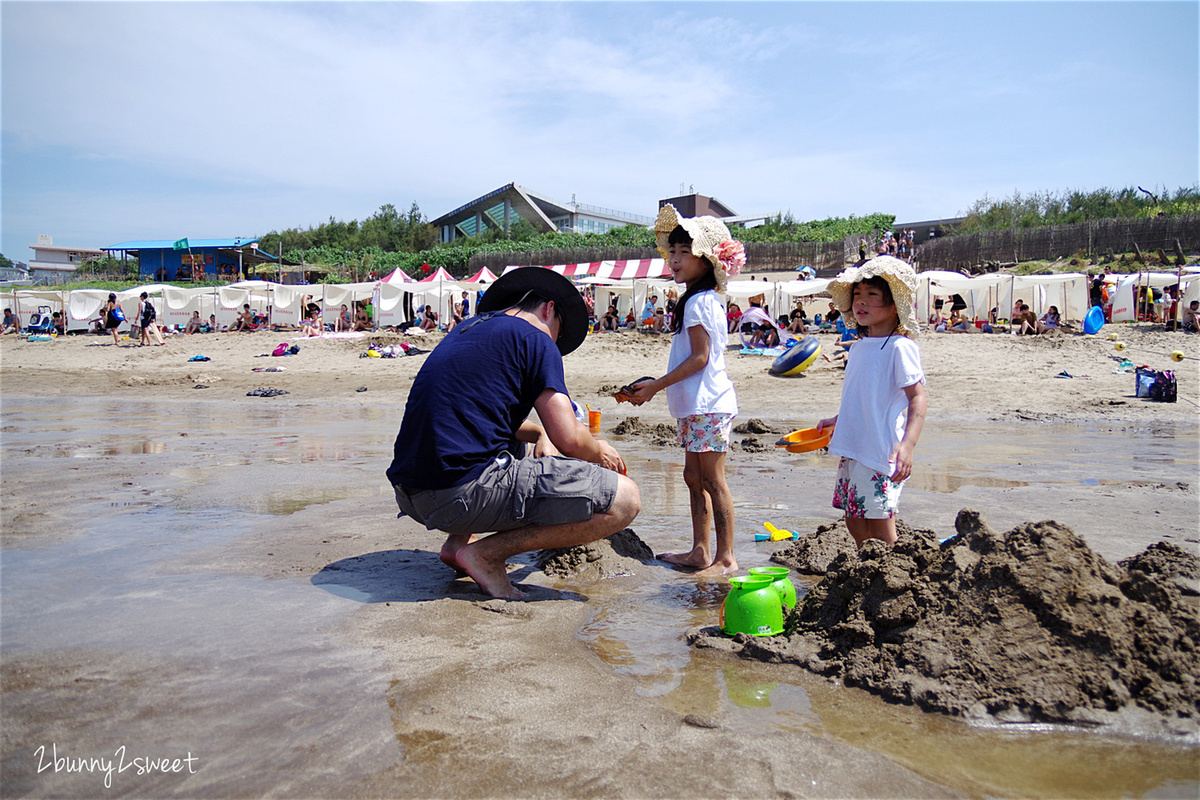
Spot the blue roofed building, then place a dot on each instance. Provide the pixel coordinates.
(194, 259)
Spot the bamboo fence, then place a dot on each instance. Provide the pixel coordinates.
(1091, 239)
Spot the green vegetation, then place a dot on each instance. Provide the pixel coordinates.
(783, 228)
(387, 241)
(1038, 209)
(4, 261)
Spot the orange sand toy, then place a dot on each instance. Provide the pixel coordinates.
(805, 440)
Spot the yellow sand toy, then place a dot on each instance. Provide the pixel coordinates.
(773, 534)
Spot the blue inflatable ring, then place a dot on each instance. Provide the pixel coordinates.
(798, 358)
(1094, 321)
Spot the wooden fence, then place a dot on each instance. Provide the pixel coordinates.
(1093, 239)
(824, 257)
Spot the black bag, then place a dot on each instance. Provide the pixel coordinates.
(1163, 389)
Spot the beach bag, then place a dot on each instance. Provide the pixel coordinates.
(1163, 388)
(148, 312)
(1143, 379)
(280, 350)
(293, 350)
(117, 314)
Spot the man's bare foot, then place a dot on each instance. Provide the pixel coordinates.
(693, 559)
(449, 553)
(491, 577)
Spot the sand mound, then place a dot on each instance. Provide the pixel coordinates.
(618, 555)
(658, 435)
(754, 425)
(1026, 626)
(813, 554)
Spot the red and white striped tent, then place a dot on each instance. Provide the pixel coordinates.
(484, 275)
(398, 276)
(440, 276)
(633, 269)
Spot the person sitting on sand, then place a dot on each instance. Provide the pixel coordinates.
(429, 323)
(455, 466)
(611, 320)
(362, 319)
(798, 321)
(734, 317)
(1025, 321)
(245, 320)
(659, 323)
(312, 325)
(195, 324)
(1049, 321)
(1191, 317)
(343, 322)
(456, 316)
(10, 322)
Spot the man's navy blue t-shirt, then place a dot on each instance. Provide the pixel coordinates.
(469, 398)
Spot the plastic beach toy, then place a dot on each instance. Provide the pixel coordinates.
(752, 606)
(1093, 321)
(798, 357)
(780, 582)
(803, 441)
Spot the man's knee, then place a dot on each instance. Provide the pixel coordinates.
(627, 503)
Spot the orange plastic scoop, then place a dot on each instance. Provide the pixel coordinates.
(806, 440)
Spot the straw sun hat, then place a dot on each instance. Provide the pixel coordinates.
(710, 239)
(900, 277)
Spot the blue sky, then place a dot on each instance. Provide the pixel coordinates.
(149, 120)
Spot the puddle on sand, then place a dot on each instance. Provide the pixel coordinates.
(636, 628)
(639, 628)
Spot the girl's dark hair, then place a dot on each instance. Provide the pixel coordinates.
(702, 284)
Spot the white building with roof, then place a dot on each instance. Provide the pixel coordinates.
(56, 263)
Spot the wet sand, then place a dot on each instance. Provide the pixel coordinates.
(194, 571)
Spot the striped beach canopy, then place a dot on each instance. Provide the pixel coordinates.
(615, 270)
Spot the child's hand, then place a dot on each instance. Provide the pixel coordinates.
(641, 392)
(826, 423)
(903, 456)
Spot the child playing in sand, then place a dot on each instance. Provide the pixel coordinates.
(883, 396)
(701, 254)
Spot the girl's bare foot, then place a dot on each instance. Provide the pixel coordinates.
(491, 577)
(693, 559)
(718, 570)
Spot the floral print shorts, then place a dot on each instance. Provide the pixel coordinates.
(705, 433)
(864, 493)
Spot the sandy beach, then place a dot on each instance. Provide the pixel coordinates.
(191, 570)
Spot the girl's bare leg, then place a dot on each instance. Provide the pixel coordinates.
(863, 529)
(699, 557)
(712, 466)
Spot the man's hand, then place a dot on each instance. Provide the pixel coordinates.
(610, 458)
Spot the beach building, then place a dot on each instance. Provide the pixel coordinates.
(504, 207)
(194, 259)
(53, 263)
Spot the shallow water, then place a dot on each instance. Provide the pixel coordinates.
(108, 584)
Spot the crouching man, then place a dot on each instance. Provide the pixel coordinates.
(459, 463)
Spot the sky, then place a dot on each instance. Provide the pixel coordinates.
(164, 120)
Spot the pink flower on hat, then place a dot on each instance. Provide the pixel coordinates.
(732, 256)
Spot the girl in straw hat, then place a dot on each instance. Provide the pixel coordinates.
(883, 397)
(701, 254)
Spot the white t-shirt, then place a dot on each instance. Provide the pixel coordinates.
(708, 391)
(874, 408)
